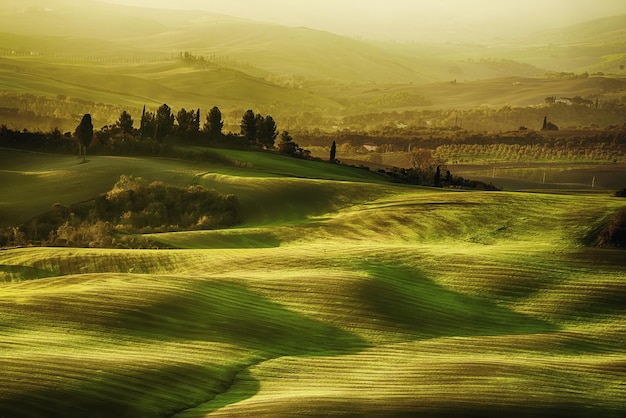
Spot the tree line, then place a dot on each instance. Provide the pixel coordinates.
(157, 132)
(186, 126)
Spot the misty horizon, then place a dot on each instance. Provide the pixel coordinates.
(405, 21)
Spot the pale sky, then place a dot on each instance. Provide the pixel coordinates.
(407, 19)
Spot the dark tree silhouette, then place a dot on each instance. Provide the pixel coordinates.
(186, 120)
(266, 132)
(248, 126)
(214, 123)
(148, 123)
(333, 151)
(164, 122)
(84, 133)
(438, 177)
(125, 122)
(143, 118)
(548, 126)
(196, 122)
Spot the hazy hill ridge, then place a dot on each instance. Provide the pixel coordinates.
(130, 56)
(314, 54)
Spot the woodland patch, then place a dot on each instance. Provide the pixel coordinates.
(116, 219)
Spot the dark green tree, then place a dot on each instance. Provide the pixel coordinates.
(186, 120)
(143, 118)
(333, 151)
(259, 122)
(266, 131)
(164, 122)
(125, 122)
(438, 177)
(248, 126)
(196, 121)
(214, 123)
(148, 123)
(84, 134)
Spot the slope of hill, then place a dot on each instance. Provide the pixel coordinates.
(609, 31)
(337, 298)
(67, 180)
(315, 54)
(593, 46)
(130, 56)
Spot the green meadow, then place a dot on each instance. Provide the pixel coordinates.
(339, 295)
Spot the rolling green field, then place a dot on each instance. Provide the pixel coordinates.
(340, 295)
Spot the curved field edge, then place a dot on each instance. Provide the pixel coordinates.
(343, 298)
(67, 180)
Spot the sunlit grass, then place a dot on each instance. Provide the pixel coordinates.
(332, 298)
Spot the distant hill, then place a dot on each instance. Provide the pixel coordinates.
(595, 46)
(604, 31)
(113, 30)
(129, 56)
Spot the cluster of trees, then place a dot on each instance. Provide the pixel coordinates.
(256, 130)
(185, 125)
(132, 206)
(365, 114)
(157, 132)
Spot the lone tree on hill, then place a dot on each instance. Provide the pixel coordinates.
(248, 126)
(333, 151)
(125, 122)
(214, 123)
(84, 133)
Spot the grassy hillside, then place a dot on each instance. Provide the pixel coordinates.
(253, 175)
(340, 295)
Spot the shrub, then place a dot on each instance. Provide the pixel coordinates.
(614, 233)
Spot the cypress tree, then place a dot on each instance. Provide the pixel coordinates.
(84, 133)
